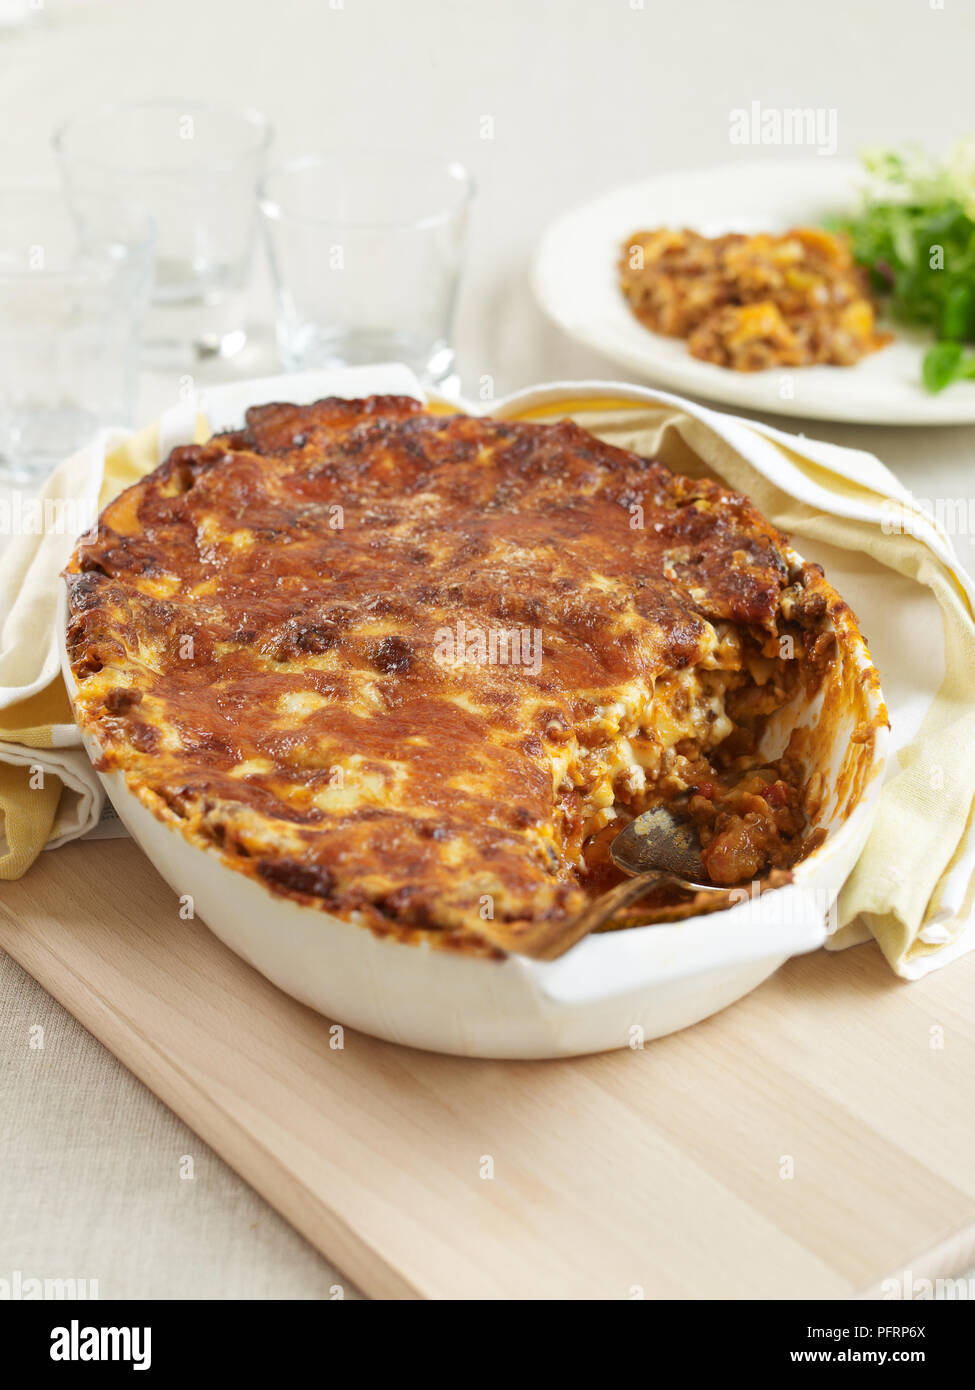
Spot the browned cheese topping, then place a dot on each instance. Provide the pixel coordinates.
(413, 667)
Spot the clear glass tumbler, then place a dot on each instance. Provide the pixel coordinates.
(196, 168)
(366, 252)
(73, 293)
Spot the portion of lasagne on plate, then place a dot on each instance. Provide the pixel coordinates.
(753, 302)
(417, 669)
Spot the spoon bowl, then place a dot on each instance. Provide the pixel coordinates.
(659, 849)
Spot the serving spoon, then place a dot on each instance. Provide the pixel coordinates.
(658, 849)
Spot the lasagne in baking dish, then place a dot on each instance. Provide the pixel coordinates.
(417, 669)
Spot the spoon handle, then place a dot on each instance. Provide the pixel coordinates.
(603, 908)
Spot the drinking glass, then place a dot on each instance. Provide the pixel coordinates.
(366, 252)
(196, 168)
(73, 290)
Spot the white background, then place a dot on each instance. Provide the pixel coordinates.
(583, 94)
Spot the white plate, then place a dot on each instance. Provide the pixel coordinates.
(575, 281)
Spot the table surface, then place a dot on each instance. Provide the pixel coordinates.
(583, 94)
(763, 1153)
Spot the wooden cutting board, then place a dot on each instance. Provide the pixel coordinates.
(664, 1171)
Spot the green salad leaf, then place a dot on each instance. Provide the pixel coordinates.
(944, 363)
(915, 232)
(940, 364)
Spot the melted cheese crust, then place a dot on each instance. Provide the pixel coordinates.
(404, 665)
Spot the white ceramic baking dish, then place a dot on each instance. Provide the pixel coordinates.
(614, 989)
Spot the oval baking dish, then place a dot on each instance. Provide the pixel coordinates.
(614, 989)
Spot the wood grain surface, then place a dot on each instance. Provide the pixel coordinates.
(812, 1140)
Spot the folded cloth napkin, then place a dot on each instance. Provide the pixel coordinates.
(914, 886)
(47, 792)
